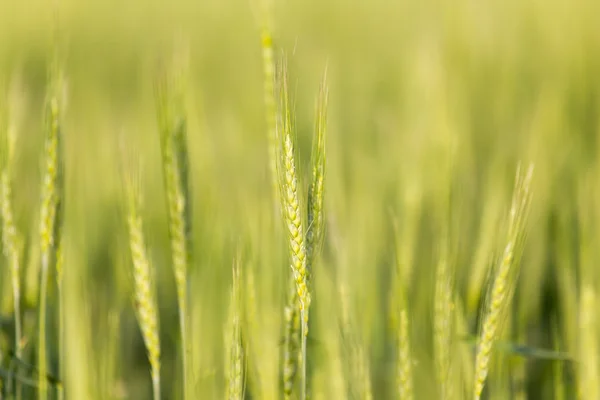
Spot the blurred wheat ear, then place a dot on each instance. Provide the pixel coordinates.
(264, 17)
(400, 315)
(50, 209)
(172, 121)
(504, 281)
(144, 288)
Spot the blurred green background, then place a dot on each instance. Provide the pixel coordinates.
(424, 95)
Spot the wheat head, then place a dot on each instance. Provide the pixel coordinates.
(144, 292)
(504, 280)
(172, 122)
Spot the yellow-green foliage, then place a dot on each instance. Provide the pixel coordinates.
(410, 86)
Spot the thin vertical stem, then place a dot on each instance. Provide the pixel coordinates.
(304, 316)
(42, 361)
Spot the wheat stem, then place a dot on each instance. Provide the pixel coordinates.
(51, 197)
(10, 235)
(405, 385)
(292, 339)
(268, 63)
(61, 314)
(443, 317)
(234, 351)
(173, 134)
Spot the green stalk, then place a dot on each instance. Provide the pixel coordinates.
(9, 231)
(234, 357)
(266, 36)
(61, 316)
(173, 138)
(444, 289)
(51, 197)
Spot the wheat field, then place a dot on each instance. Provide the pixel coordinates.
(264, 199)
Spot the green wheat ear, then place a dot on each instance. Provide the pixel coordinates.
(505, 278)
(144, 290)
(316, 190)
(291, 208)
(264, 17)
(291, 318)
(294, 351)
(399, 305)
(49, 209)
(172, 121)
